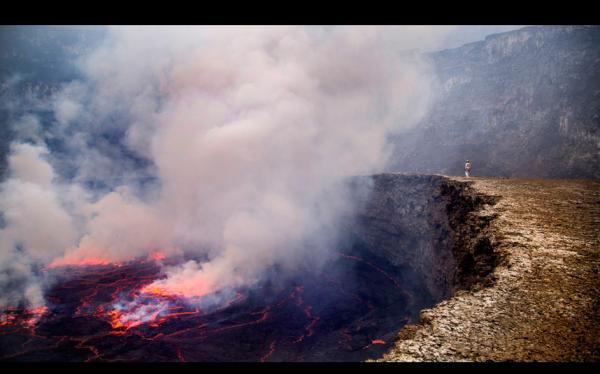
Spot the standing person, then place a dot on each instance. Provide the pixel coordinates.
(468, 168)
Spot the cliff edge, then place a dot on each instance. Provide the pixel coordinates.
(541, 301)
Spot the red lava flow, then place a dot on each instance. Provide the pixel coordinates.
(120, 295)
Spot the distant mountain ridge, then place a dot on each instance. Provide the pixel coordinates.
(525, 103)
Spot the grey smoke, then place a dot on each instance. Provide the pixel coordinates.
(249, 133)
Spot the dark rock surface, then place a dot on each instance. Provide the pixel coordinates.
(423, 225)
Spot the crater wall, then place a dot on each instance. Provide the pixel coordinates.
(427, 226)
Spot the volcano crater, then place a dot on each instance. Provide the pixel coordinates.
(413, 241)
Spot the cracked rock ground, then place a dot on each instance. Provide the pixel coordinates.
(542, 303)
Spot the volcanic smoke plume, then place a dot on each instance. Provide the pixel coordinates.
(240, 137)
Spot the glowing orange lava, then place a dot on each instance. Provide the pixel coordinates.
(121, 322)
(115, 321)
(157, 256)
(269, 353)
(7, 319)
(157, 291)
(38, 311)
(151, 305)
(184, 289)
(22, 317)
(89, 261)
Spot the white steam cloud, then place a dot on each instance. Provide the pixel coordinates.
(36, 228)
(250, 132)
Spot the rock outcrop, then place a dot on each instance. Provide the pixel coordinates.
(425, 226)
(524, 103)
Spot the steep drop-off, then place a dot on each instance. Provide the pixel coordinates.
(425, 226)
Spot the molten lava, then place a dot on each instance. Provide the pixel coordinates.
(157, 256)
(123, 312)
(89, 261)
(22, 317)
(186, 288)
(157, 291)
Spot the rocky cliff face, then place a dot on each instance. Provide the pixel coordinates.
(525, 103)
(425, 226)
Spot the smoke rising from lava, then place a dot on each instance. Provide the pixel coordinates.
(37, 226)
(249, 133)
